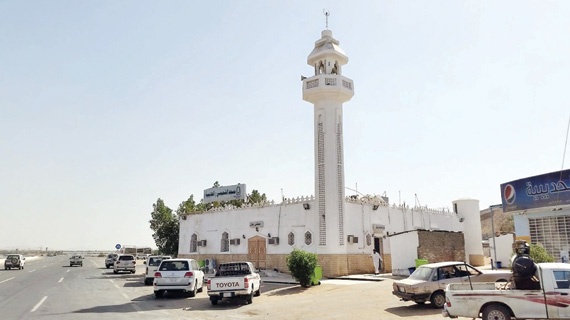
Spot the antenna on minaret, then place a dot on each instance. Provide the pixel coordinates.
(327, 14)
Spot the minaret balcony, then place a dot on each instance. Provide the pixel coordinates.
(327, 86)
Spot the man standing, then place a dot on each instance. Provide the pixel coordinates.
(377, 260)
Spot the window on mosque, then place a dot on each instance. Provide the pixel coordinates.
(225, 243)
(194, 243)
(291, 239)
(308, 238)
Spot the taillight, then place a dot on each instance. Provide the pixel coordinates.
(157, 275)
(246, 282)
(188, 274)
(209, 284)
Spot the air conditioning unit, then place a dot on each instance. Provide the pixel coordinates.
(202, 243)
(235, 241)
(209, 265)
(273, 240)
(352, 239)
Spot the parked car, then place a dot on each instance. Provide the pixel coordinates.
(76, 259)
(182, 275)
(152, 263)
(428, 282)
(125, 262)
(14, 261)
(234, 280)
(110, 260)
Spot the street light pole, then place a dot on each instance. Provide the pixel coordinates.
(493, 231)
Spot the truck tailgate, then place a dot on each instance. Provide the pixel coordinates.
(220, 284)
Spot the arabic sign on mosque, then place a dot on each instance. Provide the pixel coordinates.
(225, 193)
(545, 190)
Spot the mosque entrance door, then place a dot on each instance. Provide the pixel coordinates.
(256, 251)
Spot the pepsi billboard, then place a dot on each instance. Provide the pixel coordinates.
(545, 190)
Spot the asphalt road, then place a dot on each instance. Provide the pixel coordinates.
(49, 289)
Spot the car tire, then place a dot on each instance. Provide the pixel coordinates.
(115, 271)
(214, 301)
(201, 289)
(158, 294)
(258, 292)
(495, 311)
(133, 271)
(192, 292)
(249, 297)
(437, 299)
(106, 266)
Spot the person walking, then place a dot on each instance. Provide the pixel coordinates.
(377, 260)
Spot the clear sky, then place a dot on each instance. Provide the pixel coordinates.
(106, 106)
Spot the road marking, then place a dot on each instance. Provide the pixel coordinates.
(111, 280)
(60, 280)
(94, 263)
(6, 280)
(44, 266)
(116, 286)
(32, 270)
(68, 270)
(125, 295)
(137, 308)
(39, 304)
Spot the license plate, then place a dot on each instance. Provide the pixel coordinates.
(227, 295)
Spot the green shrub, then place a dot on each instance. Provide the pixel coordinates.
(302, 265)
(539, 254)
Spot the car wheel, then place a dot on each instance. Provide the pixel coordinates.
(249, 298)
(258, 292)
(106, 266)
(496, 312)
(437, 299)
(214, 301)
(133, 271)
(201, 289)
(194, 290)
(158, 294)
(115, 271)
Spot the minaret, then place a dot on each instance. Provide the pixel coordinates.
(328, 89)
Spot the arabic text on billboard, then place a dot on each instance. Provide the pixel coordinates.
(225, 193)
(546, 190)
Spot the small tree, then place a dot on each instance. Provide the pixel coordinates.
(539, 254)
(302, 265)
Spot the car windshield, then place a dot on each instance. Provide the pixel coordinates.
(174, 266)
(421, 273)
(13, 257)
(126, 258)
(154, 261)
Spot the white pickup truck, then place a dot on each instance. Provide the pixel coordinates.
(543, 295)
(233, 280)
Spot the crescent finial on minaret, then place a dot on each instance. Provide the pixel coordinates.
(327, 14)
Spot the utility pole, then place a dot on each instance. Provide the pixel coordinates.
(493, 265)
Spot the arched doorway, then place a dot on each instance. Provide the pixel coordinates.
(256, 251)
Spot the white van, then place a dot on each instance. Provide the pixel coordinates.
(152, 263)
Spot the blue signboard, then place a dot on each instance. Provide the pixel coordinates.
(117, 246)
(545, 190)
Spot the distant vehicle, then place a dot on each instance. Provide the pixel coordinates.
(428, 282)
(76, 259)
(234, 280)
(125, 262)
(182, 275)
(138, 252)
(152, 263)
(143, 252)
(14, 261)
(110, 260)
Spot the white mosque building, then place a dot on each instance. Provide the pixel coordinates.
(341, 230)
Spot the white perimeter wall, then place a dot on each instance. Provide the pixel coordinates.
(504, 249)
(406, 256)
(279, 220)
